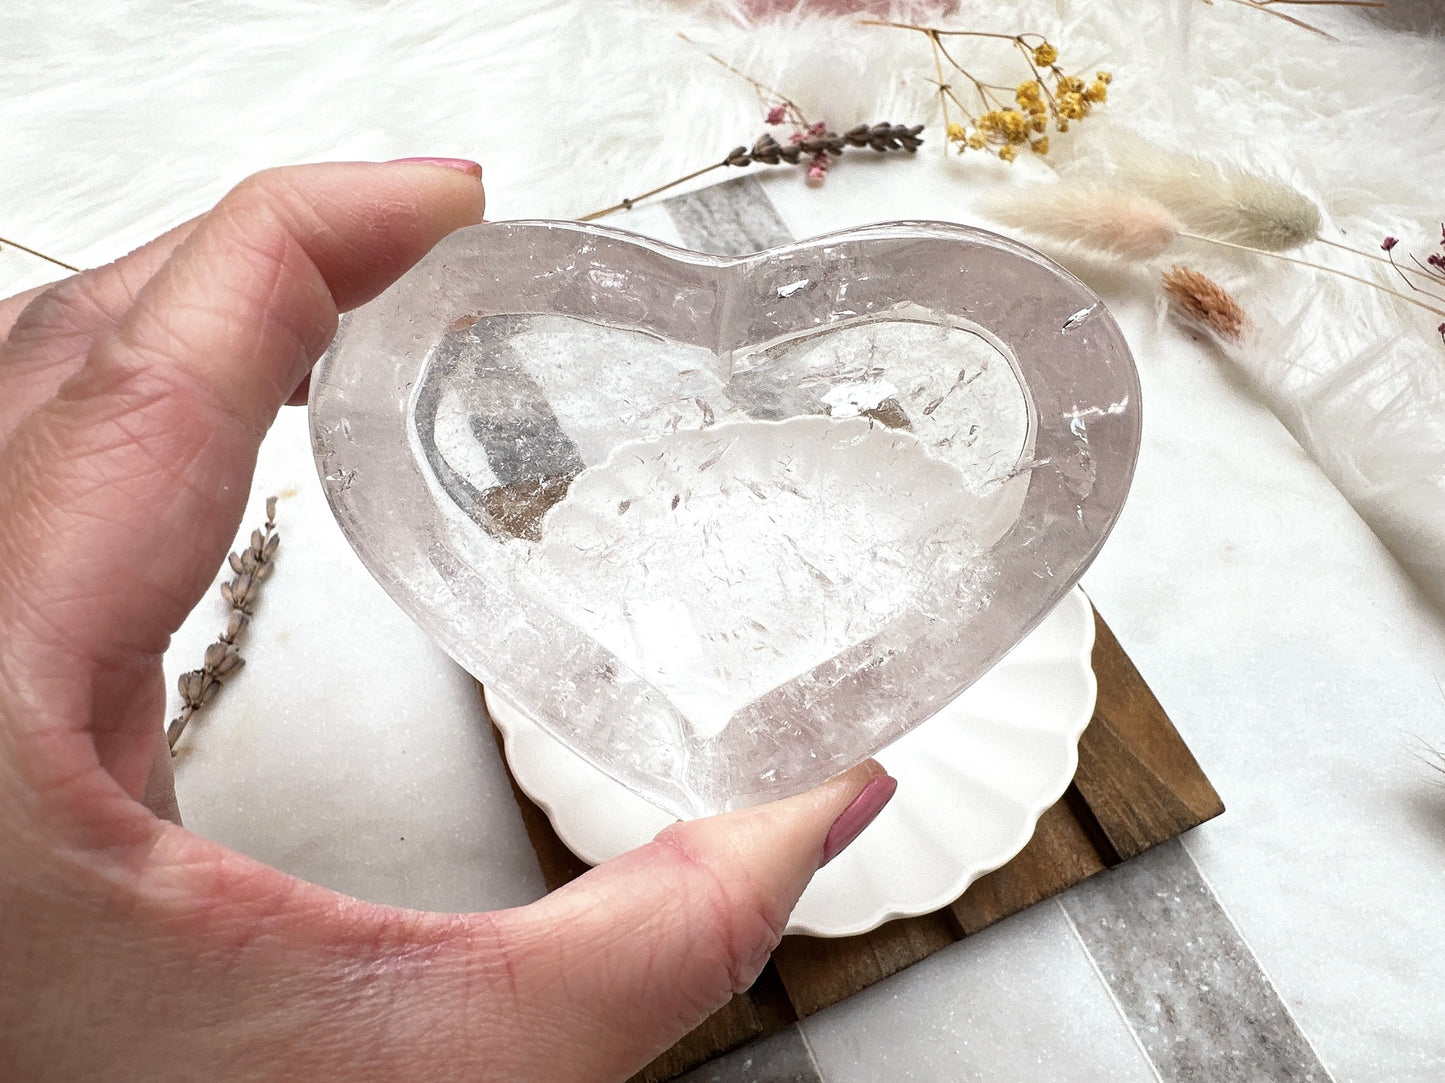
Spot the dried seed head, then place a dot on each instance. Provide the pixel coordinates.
(270, 508)
(235, 624)
(228, 664)
(235, 561)
(240, 592)
(191, 685)
(214, 656)
(1203, 301)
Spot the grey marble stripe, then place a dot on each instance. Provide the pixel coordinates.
(729, 219)
(1184, 978)
(782, 1057)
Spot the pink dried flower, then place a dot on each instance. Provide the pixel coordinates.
(777, 114)
(1389, 243)
(818, 168)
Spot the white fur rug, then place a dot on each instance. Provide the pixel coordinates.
(116, 123)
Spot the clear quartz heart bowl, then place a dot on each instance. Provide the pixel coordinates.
(725, 527)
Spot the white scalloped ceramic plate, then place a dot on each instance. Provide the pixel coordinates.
(972, 782)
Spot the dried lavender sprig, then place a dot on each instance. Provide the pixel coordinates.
(251, 565)
(768, 151)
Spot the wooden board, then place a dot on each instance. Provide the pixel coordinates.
(1137, 785)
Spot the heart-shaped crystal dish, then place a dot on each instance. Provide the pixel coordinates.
(725, 527)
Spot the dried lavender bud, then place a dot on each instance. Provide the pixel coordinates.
(271, 547)
(270, 510)
(235, 561)
(191, 685)
(229, 663)
(234, 625)
(214, 656)
(240, 592)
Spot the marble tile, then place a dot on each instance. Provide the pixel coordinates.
(1185, 980)
(783, 1057)
(1018, 1002)
(729, 218)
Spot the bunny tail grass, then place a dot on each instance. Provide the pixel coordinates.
(1107, 220)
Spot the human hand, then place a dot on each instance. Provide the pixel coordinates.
(132, 402)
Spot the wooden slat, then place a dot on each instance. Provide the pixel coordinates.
(1138, 776)
(1058, 856)
(818, 972)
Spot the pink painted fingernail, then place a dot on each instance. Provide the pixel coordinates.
(461, 165)
(861, 812)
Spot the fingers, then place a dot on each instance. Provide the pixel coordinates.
(248, 974)
(633, 955)
(248, 303)
(45, 334)
(122, 493)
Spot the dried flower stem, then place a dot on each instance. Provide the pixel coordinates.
(768, 151)
(1318, 267)
(48, 259)
(627, 204)
(252, 566)
(766, 94)
(1267, 6)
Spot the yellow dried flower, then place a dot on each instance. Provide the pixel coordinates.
(1045, 55)
(1072, 106)
(1104, 77)
(1007, 153)
(977, 141)
(1028, 94)
(1098, 91)
(955, 133)
(1039, 122)
(1070, 84)
(1040, 146)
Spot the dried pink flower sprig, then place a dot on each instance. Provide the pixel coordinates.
(1432, 270)
(252, 566)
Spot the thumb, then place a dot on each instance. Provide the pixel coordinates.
(631, 956)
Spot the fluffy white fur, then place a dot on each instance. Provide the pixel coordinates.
(123, 119)
(1110, 221)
